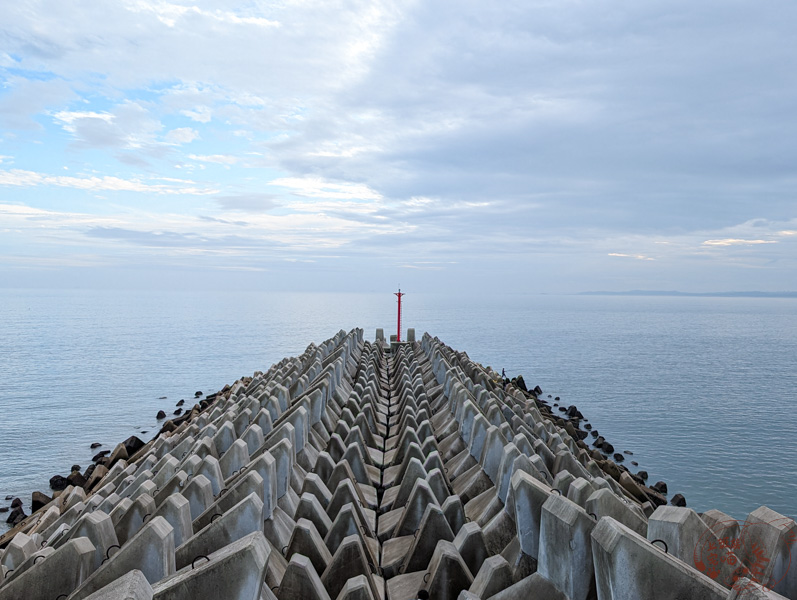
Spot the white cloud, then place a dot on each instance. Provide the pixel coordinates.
(181, 135)
(23, 178)
(220, 159)
(315, 187)
(200, 114)
(636, 256)
(737, 242)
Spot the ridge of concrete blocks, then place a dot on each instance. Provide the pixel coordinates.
(367, 471)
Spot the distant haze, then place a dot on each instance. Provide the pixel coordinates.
(491, 147)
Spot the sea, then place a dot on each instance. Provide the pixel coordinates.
(702, 390)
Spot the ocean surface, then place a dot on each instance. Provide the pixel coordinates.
(703, 391)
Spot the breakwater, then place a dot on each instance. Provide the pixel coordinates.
(357, 470)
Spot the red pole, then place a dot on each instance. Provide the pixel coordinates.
(398, 333)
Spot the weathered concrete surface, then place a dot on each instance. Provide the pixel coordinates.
(629, 567)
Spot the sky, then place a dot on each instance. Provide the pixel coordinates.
(547, 146)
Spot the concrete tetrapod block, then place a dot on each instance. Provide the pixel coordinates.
(199, 493)
(534, 587)
(177, 512)
(629, 567)
(65, 570)
(301, 582)
(494, 575)
(210, 469)
(18, 550)
(688, 538)
(769, 543)
(744, 589)
(605, 503)
(529, 495)
(350, 559)
(307, 541)
(151, 551)
(235, 572)
(128, 517)
(239, 521)
(448, 573)
(357, 588)
(250, 483)
(565, 547)
(236, 457)
(99, 530)
(132, 586)
(311, 509)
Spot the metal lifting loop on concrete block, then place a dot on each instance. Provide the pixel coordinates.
(594, 516)
(213, 518)
(44, 543)
(38, 557)
(222, 492)
(284, 550)
(666, 547)
(8, 573)
(415, 533)
(59, 596)
(197, 558)
(144, 519)
(108, 552)
(425, 577)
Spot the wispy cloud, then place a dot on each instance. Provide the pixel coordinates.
(737, 242)
(23, 178)
(636, 256)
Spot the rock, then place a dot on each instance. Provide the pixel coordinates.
(76, 478)
(58, 483)
(618, 457)
(549, 395)
(162, 398)
(9, 497)
(587, 426)
(557, 398)
(635, 463)
(519, 382)
(594, 433)
(4, 509)
(38, 500)
(611, 469)
(143, 432)
(160, 415)
(197, 394)
(89, 471)
(133, 445)
(95, 445)
(75, 468)
(628, 452)
(178, 412)
(678, 500)
(654, 497)
(100, 455)
(537, 390)
(180, 403)
(607, 448)
(659, 487)
(643, 475)
(16, 503)
(17, 516)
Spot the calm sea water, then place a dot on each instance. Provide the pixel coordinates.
(701, 390)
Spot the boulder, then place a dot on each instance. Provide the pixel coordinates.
(16, 503)
(643, 475)
(659, 487)
(180, 403)
(160, 415)
(75, 468)
(178, 412)
(197, 394)
(58, 483)
(95, 445)
(76, 478)
(678, 500)
(17, 516)
(99, 455)
(133, 445)
(38, 500)
(618, 457)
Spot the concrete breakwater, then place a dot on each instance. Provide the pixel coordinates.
(359, 471)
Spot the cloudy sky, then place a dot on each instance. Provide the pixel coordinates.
(540, 145)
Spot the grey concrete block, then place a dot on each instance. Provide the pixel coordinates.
(131, 586)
